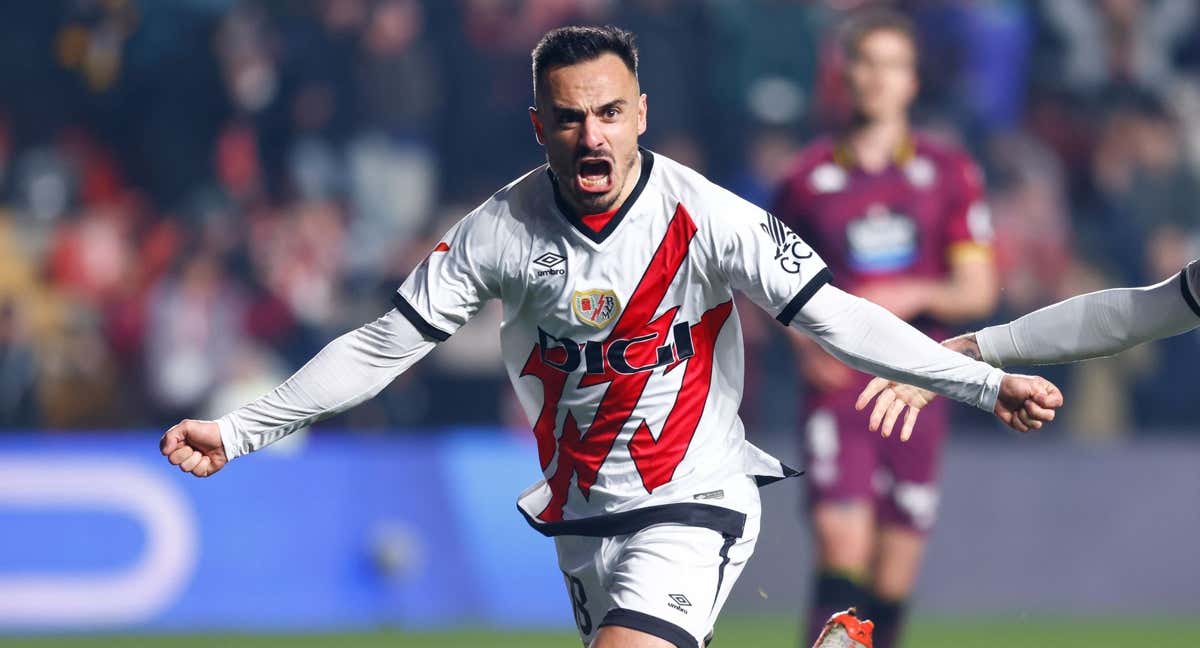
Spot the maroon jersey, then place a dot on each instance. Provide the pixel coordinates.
(910, 220)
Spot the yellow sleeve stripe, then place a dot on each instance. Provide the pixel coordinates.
(969, 251)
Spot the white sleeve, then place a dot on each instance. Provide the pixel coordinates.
(349, 370)
(1096, 324)
(765, 260)
(460, 274)
(869, 338)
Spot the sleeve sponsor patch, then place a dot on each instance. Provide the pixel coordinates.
(790, 250)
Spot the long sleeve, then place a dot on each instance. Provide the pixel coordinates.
(1095, 325)
(867, 337)
(349, 370)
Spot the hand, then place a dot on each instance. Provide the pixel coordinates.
(894, 398)
(905, 298)
(1026, 402)
(194, 446)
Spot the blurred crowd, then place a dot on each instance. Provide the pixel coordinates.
(195, 195)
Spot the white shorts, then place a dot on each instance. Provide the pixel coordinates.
(669, 580)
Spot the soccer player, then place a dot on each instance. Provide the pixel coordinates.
(1094, 325)
(901, 221)
(616, 269)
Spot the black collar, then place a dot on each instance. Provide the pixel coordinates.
(577, 222)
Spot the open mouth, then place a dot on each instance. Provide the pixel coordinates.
(594, 176)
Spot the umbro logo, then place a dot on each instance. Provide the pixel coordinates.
(678, 602)
(549, 263)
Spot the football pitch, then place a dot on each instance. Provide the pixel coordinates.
(774, 632)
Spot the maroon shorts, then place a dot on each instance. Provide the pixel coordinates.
(846, 462)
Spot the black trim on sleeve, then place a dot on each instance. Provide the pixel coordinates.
(575, 220)
(788, 313)
(1187, 293)
(651, 625)
(725, 521)
(428, 330)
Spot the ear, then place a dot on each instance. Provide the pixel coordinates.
(537, 125)
(642, 115)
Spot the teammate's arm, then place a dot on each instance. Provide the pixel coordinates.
(1094, 325)
(1088, 326)
(349, 370)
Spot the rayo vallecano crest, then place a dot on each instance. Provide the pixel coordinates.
(595, 307)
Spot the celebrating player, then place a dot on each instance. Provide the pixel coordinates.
(900, 221)
(1088, 326)
(616, 269)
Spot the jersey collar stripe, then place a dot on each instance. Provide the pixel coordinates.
(788, 313)
(1188, 296)
(574, 219)
(428, 330)
(725, 521)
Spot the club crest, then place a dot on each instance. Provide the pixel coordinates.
(595, 307)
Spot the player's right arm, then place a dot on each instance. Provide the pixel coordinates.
(349, 370)
(439, 296)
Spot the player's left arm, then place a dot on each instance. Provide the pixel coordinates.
(771, 264)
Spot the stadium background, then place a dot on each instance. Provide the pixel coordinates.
(196, 194)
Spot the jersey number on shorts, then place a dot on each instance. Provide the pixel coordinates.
(579, 604)
(581, 454)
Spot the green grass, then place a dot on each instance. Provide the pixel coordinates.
(733, 633)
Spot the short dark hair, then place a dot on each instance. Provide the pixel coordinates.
(574, 44)
(876, 19)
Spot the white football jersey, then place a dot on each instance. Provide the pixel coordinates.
(623, 345)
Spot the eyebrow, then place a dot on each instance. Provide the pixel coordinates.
(616, 103)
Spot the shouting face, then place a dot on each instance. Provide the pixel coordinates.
(589, 116)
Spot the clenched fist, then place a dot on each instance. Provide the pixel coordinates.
(194, 446)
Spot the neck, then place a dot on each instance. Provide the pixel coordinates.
(875, 143)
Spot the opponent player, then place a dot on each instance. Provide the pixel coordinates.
(616, 269)
(901, 221)
(1088, 326)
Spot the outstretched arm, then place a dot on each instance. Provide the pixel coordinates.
(349, 370)
(868, 338)
(1094, 325)
(1088, 326)
(441, 294)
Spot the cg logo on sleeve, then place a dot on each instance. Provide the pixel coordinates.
(789, 249)
(595, 307)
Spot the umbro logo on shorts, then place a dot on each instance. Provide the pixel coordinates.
(549, 263)
(678, 602)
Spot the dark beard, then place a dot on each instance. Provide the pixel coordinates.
(592, 203)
